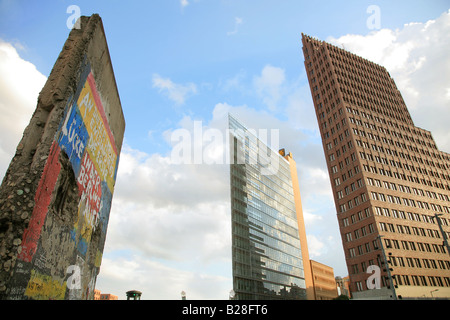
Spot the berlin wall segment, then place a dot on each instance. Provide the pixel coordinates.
(56, 195)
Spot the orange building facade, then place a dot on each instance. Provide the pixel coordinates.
(104, 296)
(324, 282)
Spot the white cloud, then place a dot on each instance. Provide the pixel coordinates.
(417, 58)
(174, 221)
(184, 3)
(269, 85)
(315, 246)
(175, 92)
(311, 218)
(327, 249)
(158, 281)
(20, 84)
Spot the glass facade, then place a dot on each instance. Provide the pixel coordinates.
(267, 257)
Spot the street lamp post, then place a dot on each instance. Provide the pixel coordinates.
(444, 236)
(388, 270)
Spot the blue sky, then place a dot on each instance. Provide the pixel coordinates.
(192, 44)
(178, 61)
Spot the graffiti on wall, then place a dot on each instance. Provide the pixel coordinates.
(94, 159)
(44, 287)
(42, 200)
(85, 139)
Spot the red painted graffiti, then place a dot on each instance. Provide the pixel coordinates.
(42, 200)
(89, 185)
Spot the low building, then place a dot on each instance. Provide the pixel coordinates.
(104, 296)
(323, 281)
(108, 296)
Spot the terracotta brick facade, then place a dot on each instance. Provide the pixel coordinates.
(388, 177)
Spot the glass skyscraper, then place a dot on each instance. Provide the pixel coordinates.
(269, 258)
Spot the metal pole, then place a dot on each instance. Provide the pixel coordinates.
(391, 282)
(436, 215)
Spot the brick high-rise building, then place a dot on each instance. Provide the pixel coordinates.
(391, 183)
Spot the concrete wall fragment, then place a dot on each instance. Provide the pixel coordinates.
(56, 195)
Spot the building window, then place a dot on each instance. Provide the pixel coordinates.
(359, 286)
(348, 236)
(352, 252)
(360, 183)
(345, 222)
